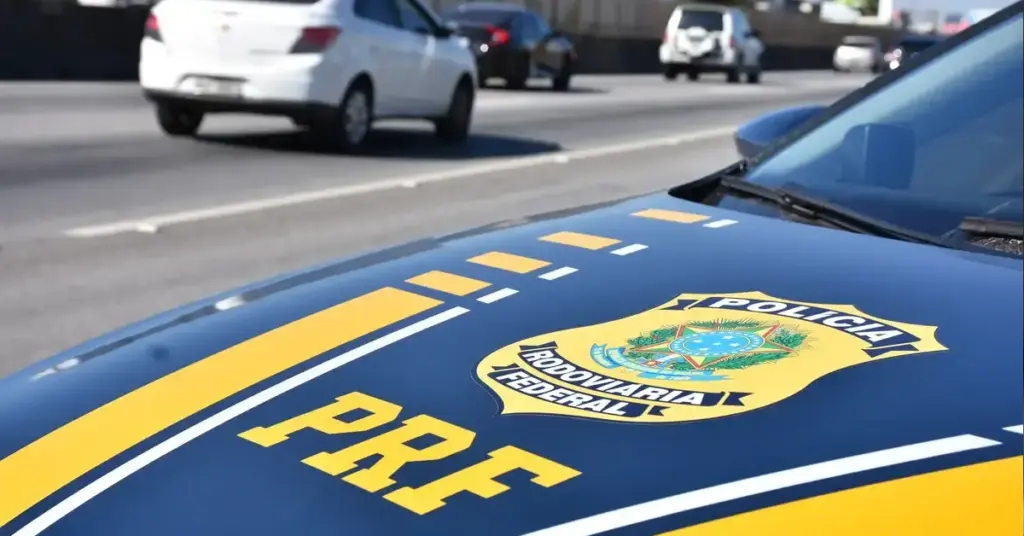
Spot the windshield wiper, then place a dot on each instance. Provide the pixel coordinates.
(809, 208)
(993, 228)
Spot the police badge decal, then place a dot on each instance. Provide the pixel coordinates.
(696, 357)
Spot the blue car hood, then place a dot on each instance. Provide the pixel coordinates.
(646, 365)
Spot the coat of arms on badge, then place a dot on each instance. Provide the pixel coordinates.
(702, 350)
(696, 357)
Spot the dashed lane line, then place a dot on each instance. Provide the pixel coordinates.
(154, 223)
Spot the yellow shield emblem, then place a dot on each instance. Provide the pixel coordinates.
(696, 357)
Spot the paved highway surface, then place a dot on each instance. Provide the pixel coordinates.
(103, 221)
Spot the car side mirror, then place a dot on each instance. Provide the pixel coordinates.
(879, 154)
(757, 135)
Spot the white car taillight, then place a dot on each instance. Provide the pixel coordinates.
(315, 39)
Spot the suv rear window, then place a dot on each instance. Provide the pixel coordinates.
(711, 21)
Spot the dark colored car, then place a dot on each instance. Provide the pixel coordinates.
(513, 43)
(907, 47)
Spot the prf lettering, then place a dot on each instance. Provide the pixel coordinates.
(393, 448)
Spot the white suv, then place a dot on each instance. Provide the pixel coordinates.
(709, 38)
(333, 66)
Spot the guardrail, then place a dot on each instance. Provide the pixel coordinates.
(61, 40)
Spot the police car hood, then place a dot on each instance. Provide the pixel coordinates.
(652, 362)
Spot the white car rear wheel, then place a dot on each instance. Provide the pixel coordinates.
(175, 121)
(355, 117)
(350, 126)
(454, 127)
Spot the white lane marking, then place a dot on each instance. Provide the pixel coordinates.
(720, 223)
(561, 272)
(497, 295)
(105, 482)
(747, 487)
(1019, 429)
(629, 250)
(510, 164)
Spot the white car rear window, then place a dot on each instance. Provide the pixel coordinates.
(712, 21)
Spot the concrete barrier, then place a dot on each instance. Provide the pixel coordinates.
(44, 40)
(60, 40)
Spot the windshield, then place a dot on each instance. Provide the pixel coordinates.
(939, 144)
(698, 18)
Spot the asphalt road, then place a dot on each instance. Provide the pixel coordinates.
(103, 221)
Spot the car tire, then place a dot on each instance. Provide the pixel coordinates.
(515, 83)
(670, 73)
(693, 75)
(175, 121)
(454, 127)
(563, 80)
(349, 127)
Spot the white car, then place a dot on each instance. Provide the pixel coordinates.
(333, 66)
(708, 38)
(858, 53)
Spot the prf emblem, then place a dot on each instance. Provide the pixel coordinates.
(695, 357)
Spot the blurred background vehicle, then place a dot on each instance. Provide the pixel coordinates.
(954, 23)
(513, 43)
(291, 58)
(710, 38)
(858, 53)
(907, 47)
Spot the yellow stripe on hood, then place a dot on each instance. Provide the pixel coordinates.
(45, 466)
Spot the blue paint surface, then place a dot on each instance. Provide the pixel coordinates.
(222, 484)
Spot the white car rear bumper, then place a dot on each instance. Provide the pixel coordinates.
(669, 55)
(299, 79)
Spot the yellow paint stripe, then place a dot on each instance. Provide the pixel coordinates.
(509, 262)
(55, 460)
(985, 498)
(580, 240)
(671, 215)
(447, 282)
